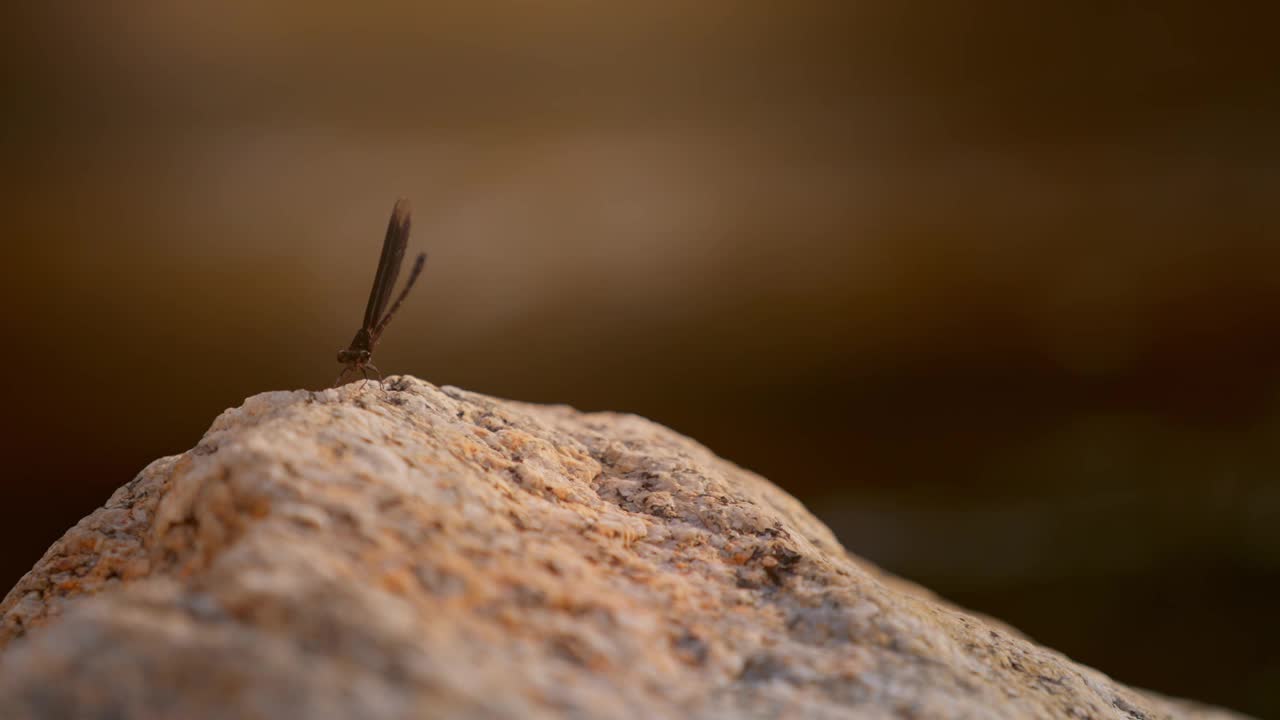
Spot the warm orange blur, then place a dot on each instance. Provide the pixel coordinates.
(993, 288)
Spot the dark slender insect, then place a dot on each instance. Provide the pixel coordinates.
(359, 355)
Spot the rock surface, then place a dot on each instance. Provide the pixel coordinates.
(421, 552)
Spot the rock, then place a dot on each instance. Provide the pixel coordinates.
(419, 552)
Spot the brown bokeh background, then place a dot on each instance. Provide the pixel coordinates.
(992, 287)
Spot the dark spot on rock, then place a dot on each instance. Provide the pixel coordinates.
(783, 564)
(1046, 680)
(1129, 709)
(491, 421)
(528, 597)
(578, 651)
(786, 557)
(516, 520)
(659, 504)
(762, 668)
(690, 648)
(821, 625)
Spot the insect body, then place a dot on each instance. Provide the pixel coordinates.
(359, 355)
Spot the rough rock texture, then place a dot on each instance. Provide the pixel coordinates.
(424, 552)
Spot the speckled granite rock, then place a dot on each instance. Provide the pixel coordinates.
(425, 552)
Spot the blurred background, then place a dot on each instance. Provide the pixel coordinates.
(993, 287)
